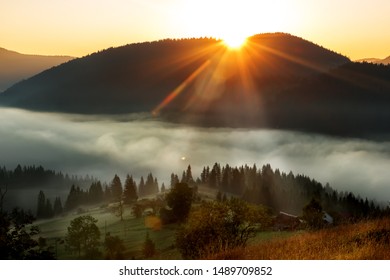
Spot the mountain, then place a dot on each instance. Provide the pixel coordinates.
(15, 67)
(276, 81)
(137, 77)
(385, 61)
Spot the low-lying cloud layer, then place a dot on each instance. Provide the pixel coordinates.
(104, 146)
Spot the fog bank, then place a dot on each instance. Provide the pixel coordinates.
(137, 145)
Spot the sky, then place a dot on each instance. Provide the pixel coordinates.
(357, 29)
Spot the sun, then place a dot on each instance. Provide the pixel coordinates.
(234, 41)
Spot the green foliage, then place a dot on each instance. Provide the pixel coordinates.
(313, 215)
(218, 226)
(149, 248)
(17, 241)
(83, 236)
(114, 247)
(179, 199)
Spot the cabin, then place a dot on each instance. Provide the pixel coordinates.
(286, 221)
(328, 219)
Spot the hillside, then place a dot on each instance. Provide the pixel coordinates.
(366, 240)
(275, 81)
(137, 77)
(15, 67)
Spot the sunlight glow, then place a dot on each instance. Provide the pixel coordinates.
(234, 41)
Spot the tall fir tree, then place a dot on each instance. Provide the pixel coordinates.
(41, 207)
(130, 190)
(116, 188)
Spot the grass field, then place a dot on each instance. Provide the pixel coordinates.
(131, 230)
(367, 240)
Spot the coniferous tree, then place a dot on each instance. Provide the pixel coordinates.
(130, 190)
(41, 207)
(183, 177)
(141, 187)
(107, 193)
(95, 193)
(174, 180)
(116, 188)
(163, 188)
(189, 179)
(57, 208)
(155, 186)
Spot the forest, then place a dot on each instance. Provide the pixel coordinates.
(246, 201)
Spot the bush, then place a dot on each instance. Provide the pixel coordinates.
(217, 226)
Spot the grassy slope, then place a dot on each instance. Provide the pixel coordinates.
(131, 230)
(367, 240)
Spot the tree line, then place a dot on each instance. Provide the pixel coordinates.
(277, 190)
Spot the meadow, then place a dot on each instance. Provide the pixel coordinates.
(365, 240)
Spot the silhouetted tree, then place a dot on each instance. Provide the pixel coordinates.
(116, 188)
(83, 236)
(130, 191)
(162, 188)
(114, 247)
(18, 237)
(41, 207)
(141, 187)
(95, 193)
(313, 215)
(179, 199)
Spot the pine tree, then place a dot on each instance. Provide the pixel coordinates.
(188, 176)
(174, 180)
(163, 188)
(116, 188)
(41, 207)
(95, 194)
(57, 208)
(130, 191)
(155, 186)
(141, 187)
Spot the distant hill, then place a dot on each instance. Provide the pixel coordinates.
(385, 61)
(277, 81)
(15, 67)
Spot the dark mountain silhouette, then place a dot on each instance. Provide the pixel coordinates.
(138, 77)
(15, 67)
(276, 81)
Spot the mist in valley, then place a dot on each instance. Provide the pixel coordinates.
(102, 146)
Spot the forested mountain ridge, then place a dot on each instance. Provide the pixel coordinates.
(137, 77)
(275, 81)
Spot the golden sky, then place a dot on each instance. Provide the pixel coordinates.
(357, 29)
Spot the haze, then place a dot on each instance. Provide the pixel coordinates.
(139, 144)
